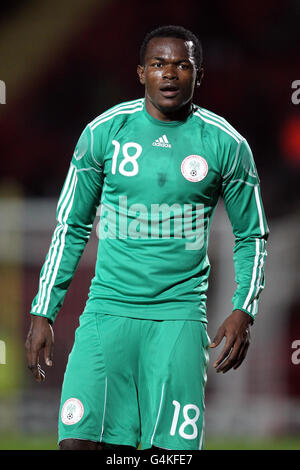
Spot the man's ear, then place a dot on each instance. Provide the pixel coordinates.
(141, 73)
(200, 74)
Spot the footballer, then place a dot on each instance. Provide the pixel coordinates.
(157, 167)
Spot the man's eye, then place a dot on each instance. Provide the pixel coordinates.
(157, 64)
(183, 66)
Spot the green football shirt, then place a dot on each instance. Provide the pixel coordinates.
(158, 184)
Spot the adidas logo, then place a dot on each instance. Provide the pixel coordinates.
(162, 142)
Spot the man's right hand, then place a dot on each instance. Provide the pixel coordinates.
(40, 336)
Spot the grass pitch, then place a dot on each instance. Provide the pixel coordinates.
(49, 442)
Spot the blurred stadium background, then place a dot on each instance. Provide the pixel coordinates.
(65, 62)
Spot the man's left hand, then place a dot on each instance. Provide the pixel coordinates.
(236, 329)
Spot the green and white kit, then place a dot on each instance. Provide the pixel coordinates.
(158, 184)
(131, 381)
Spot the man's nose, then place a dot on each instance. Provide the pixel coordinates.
(170, 72)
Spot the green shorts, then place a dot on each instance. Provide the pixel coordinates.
(130, 381)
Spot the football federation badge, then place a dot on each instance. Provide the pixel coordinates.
(72, 411)
(194, 168)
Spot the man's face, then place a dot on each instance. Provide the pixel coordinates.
(169, 73)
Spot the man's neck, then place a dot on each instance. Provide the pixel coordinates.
(168, 115)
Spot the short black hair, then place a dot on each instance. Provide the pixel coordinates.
(172, 31)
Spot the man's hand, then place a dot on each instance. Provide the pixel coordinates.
(40, 336)
(236, 329)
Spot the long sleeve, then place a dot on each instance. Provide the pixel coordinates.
(76, 210)
(242, 199)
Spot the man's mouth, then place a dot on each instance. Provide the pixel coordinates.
(169, 91)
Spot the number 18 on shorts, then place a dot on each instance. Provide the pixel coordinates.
(130, 381)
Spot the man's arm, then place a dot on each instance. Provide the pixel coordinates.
(242, 199)
(76, 210)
